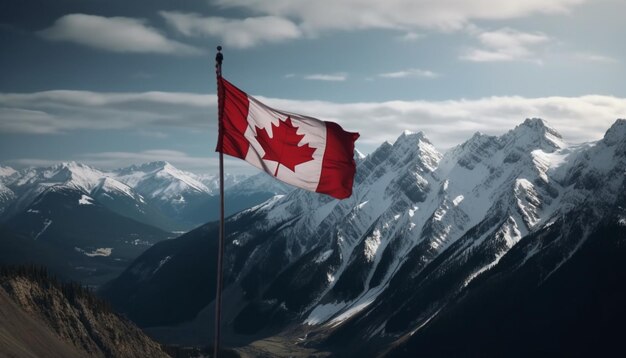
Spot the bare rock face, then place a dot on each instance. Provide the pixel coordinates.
(75, 316)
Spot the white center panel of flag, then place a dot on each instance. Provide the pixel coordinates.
(306, 175)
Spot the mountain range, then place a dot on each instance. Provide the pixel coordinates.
(87, 224)
(510, 245)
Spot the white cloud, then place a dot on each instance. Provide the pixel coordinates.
(506, 45)
(62, 111)
(411, 72)
(283, 20)
(116, 34)
(446, 123)
(18, 120)
(322, 15)
(152, 134)
(239, 33)
(410, 36)
(591, 57)
(327, 77)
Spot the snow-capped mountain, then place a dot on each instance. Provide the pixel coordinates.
(155, 193)
(251, 185)
(87, 224)
(28, 184)
(420, 231)
(212, 181)
(7, 196)
(161, 180)
(6, 171)
(124, 200)
(75, 236)
(175, 193)
(565, 275)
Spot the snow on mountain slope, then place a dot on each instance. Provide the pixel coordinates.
(155, 193)
(28, 184)
(122, 199)
(255, 183)
(62, 219)
(182, 196)
(358, 155)
(108, 186)
(212, 181)
(70, 174)
(419, 228)
(529, 201)
(592, 180)
(563, 274)
(5, 192)
(389, 181)
(6, 172)
(486, 176)
(161, 180)
(7, 196)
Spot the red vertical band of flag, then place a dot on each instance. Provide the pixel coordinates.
(338, 166)
(319, 155)
(234, 122)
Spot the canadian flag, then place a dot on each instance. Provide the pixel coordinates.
(302, 151)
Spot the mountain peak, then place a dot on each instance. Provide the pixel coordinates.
(536, 133)
(358, 155)
(478, 140)
(6, 171)
(411, 136)
(146, 167)
(168, 167)
(616, 133)
(71, 173)
(480, 136)
(537, 125)
(70, 165)
(535, 122)
(159, 164)
(418, 145)
(408, 140)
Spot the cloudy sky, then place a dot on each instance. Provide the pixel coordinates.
(115, 82)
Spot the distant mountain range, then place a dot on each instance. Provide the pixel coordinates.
(156, 193)
(511, 245)
(88, 224)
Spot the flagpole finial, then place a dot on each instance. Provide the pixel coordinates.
(219, 57)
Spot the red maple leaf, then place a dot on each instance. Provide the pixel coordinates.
(283, 146)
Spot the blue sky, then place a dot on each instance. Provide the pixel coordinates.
(111, 83)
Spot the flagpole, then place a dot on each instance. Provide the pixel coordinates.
(220, 251)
